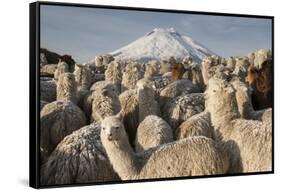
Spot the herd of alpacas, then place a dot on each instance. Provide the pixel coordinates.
(112, 120)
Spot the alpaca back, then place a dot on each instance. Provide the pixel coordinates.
(184, 158)
(250, 146)
(152, 131)
(80, 158)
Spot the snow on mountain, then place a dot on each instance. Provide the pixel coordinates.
(161, 44)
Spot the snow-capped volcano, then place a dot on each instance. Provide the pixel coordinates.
(161, 44)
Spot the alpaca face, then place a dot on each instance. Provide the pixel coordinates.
(112, 129)
(218, 95)
(143, 84)
(68, 78)
(252, 75)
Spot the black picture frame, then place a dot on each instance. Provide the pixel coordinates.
(34, 89)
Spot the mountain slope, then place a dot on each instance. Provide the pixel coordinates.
(161, 44)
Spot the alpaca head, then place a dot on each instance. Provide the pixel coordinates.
(145, 84)
(220, 95)
(68, 80)
(84, 75)
(112, 129)
(252, 74)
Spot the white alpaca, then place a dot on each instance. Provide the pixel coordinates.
(133, 72)
(188, 157)
(61, 68)
(67, 87)
(196, 125)
(105, 100)
(152, 131)
(147, 102)
(178, 109)
(248, 142)
(78, 158)
(177, 88)
(59, 118)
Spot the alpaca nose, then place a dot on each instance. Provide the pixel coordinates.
(109, 137)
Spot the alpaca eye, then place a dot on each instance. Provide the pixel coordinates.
(214, 91)
(103, 128)
(117, 127)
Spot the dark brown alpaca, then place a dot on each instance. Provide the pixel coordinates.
(261, 82)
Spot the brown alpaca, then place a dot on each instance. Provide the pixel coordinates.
(261, 82)
(252, 75)
(177, 71)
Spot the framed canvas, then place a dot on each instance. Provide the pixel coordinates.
(122, 94)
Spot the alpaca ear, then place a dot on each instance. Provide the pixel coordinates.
(99, 117)
(120, 115)
(79, 65)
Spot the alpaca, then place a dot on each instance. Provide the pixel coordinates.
(48, 92)
(196, 76)
(180, 108)
(67, 87)
(248, 142)
(130, 107)
(131, 75)
(230, 63)
(61, 68)
(78, 158)
(107, 59)
(261, 56)
(48, 70)
(261, 82)
(244, 103)
(43, 59)
(165, 67)
(210, 65)
(152, 131)
(188, 157)
(177, 71)
(106, 101)
(151, 69)
(176, 88)
(114, 73)
(84, 76)
(147, 103)
(159, 83)
(172, 60)
(98, 61)
(206, 65)
(196, 125)
(70, 62)
(57, 120)
(241, 66)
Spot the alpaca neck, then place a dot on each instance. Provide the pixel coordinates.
(223, 112)
(123, 158)
(146, 101)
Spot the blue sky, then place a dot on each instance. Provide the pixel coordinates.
(86, 32)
